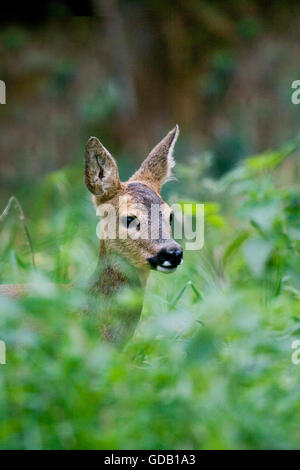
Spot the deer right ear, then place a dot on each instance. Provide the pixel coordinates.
(101, 173)
(157, 168)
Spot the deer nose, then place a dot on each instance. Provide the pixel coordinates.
(167, 259)
(170, 255)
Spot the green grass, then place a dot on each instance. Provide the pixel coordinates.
(210, 364)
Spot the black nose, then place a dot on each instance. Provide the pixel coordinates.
(170, 256)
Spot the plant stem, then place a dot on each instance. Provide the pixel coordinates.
(18, 206)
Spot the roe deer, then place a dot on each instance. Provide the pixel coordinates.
(129, 208)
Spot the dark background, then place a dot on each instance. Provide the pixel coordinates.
(132, 69)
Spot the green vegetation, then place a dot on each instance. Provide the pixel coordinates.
(208, 369)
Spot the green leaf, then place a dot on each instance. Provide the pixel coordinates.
(256, 252)
(235, 245)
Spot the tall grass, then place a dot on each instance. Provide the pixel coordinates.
(210, 364)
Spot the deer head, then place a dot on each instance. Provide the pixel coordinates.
(137, 220)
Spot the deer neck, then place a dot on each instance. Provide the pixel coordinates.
(114, 273)
(113, 277)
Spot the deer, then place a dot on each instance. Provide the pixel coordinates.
(125, 262)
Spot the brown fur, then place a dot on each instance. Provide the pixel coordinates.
(142, 188)
(156, 169)
(131, 198)
(16, 291)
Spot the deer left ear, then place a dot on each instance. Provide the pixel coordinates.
(101, 171)
(157, 168)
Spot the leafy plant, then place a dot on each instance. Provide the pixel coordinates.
(209, 367)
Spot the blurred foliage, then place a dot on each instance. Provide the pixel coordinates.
(209, 371)
(134, 68)
(210, 364)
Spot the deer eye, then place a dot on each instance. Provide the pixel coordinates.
(171, 218)
(129, 219)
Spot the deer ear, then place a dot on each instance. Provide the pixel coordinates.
(157, 168)
(101, 173)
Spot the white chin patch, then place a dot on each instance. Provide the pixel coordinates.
(167, 264)
(165, 270)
